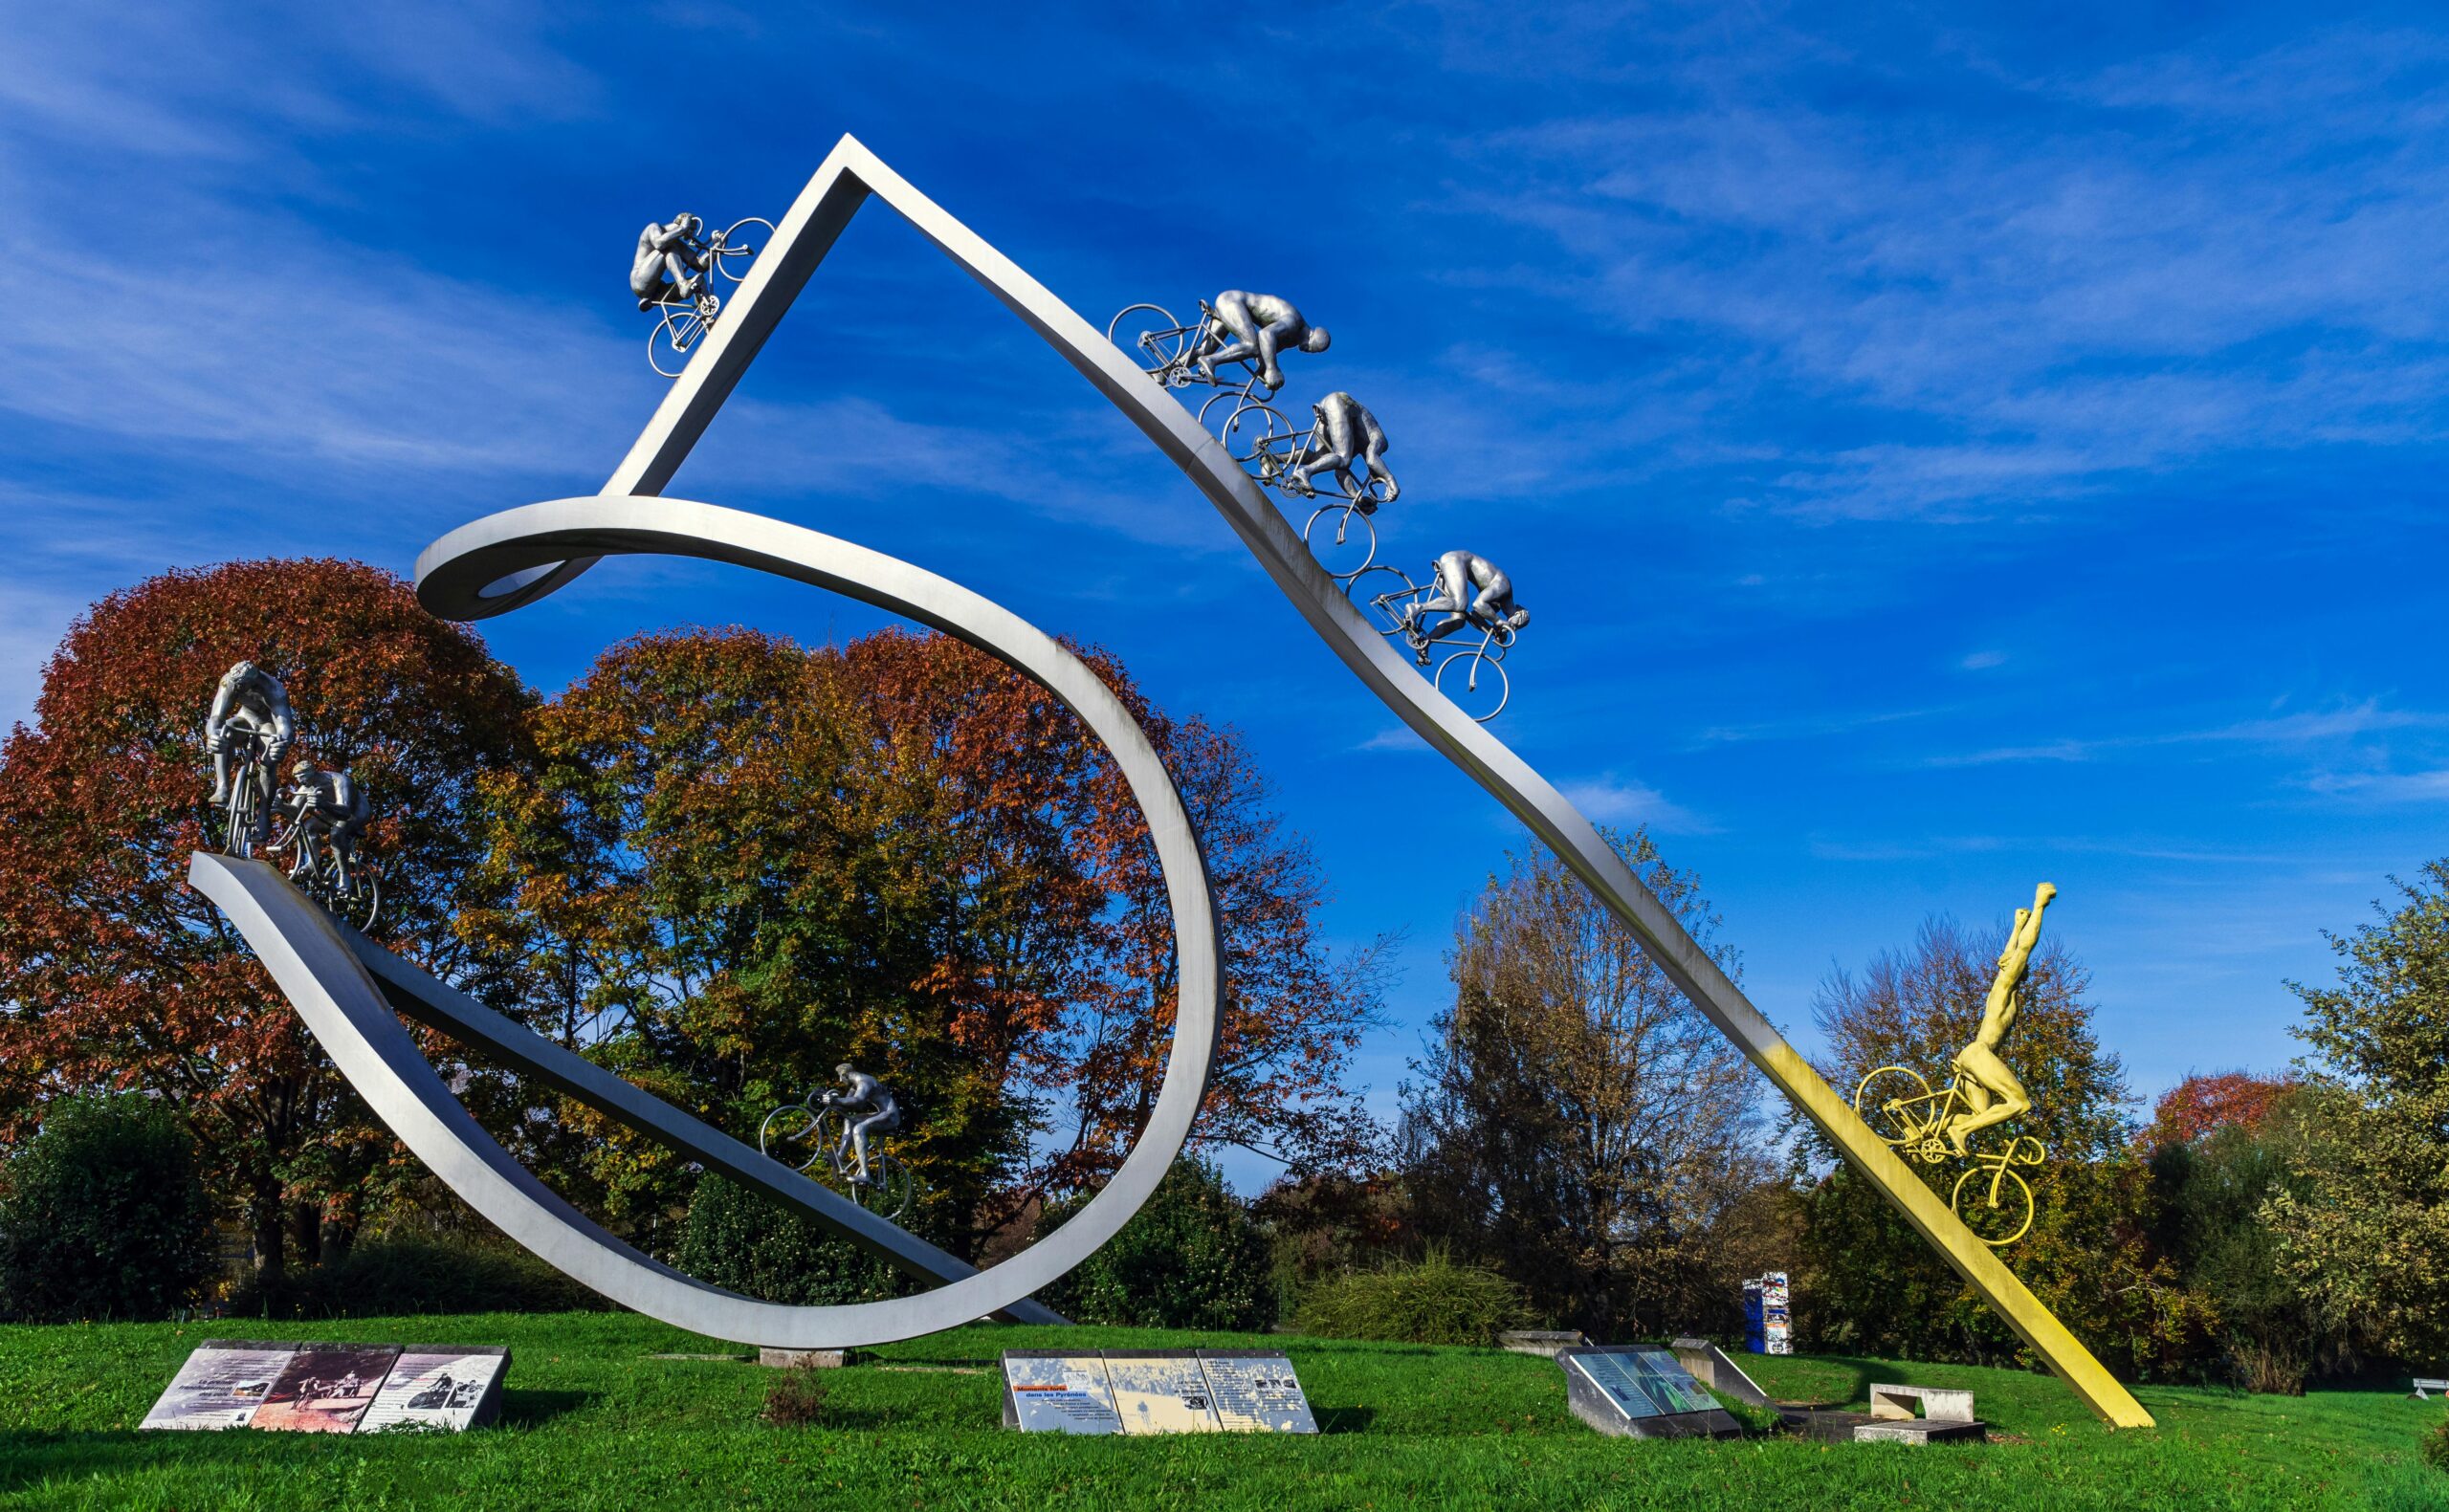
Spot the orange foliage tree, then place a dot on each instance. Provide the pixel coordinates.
(2202, 1103)
(740, 862)
(115, 974)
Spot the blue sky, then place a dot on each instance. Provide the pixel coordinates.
(1942, 453)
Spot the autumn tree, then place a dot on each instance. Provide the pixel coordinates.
(2203, 1104)
(1578, 1122)
(740, 861)
(1870, 1283)
(2364, 1231)
(113, 974)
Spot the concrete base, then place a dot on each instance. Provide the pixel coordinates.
(1920, 1431)
(1938, 1402)
(807, 1359)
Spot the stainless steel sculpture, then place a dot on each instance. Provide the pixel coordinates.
(674, 270)
(832, 1128)
(1236, 329)
(1464, 591)
(247, 730)
(327, 816)
(498, 564)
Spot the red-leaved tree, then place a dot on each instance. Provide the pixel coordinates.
(2217, 1099)
(114, 973)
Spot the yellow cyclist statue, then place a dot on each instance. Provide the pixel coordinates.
(1991, 1093)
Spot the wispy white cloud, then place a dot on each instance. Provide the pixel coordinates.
(1609, 799)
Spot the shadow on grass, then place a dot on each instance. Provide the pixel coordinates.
(522, 1409)
(1345, 1419)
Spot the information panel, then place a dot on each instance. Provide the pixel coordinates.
(1066, 1393)
(220, 1386)
(439, 1389)
(332, 1388)
(1255, 1391)
(1161, 1393)
(1645, 1383)
(1641, 1392)
(326, 1388)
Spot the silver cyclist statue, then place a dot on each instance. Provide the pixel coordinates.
(670, 265)
(1470, 591)
(834, 1127)
(247, 730)
(1253, 328)
(866, 1108)
(327, 816)
(675, 272)
(1343, 432)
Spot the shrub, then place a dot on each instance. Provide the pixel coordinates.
(393, 1277)
(1192, 1258)
(737, 1239)
(1430, 1301)
(105, 1216)
(2435, 1444)
(795, 1400)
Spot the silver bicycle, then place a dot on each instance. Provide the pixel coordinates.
(1170, 352)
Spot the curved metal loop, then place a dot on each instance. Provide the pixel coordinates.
(454, 577)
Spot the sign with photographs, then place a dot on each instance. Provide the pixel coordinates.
(1641, 1392)
(1060, 1393)
(1160, 1393)
(331, 1387)
(1257, 1392)
(449, 1389)
(221, 1385)
(1214, 1390)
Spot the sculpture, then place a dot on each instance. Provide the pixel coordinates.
(834, 1127)
(1471, 590)
(674, 270)
(501, 563)
(1344, 432)
(247, 729)
(1992, 1198)
(1237, 328)
(328, 813)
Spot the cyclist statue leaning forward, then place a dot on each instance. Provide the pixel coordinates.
(866, 1108)
(250, 700)
(328, 807)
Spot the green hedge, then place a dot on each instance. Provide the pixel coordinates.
(1191, 1257)
(395, 1277)
(105, 1214)
(743, 1242)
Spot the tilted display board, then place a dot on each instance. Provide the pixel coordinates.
(332, 1388)
(1640, 1393)
(1213, 1391)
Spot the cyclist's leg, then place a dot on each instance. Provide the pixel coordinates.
(1991, 1094)
(859, 1144)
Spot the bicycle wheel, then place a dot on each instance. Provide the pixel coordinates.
(2000, 1207)
(1484, 680)
(364, 895)
(238, 814)
(888, 1191)
(1156, 340)
(786, 1136)
(1895, 1102)
(733, 248)
(673, 338)
(1255, 436)
(1350, 548)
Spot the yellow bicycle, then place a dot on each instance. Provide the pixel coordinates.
(1900, 1108)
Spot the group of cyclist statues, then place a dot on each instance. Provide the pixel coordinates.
(323, 813)
(1237, 347)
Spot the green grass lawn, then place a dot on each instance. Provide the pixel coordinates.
(590, 1420)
